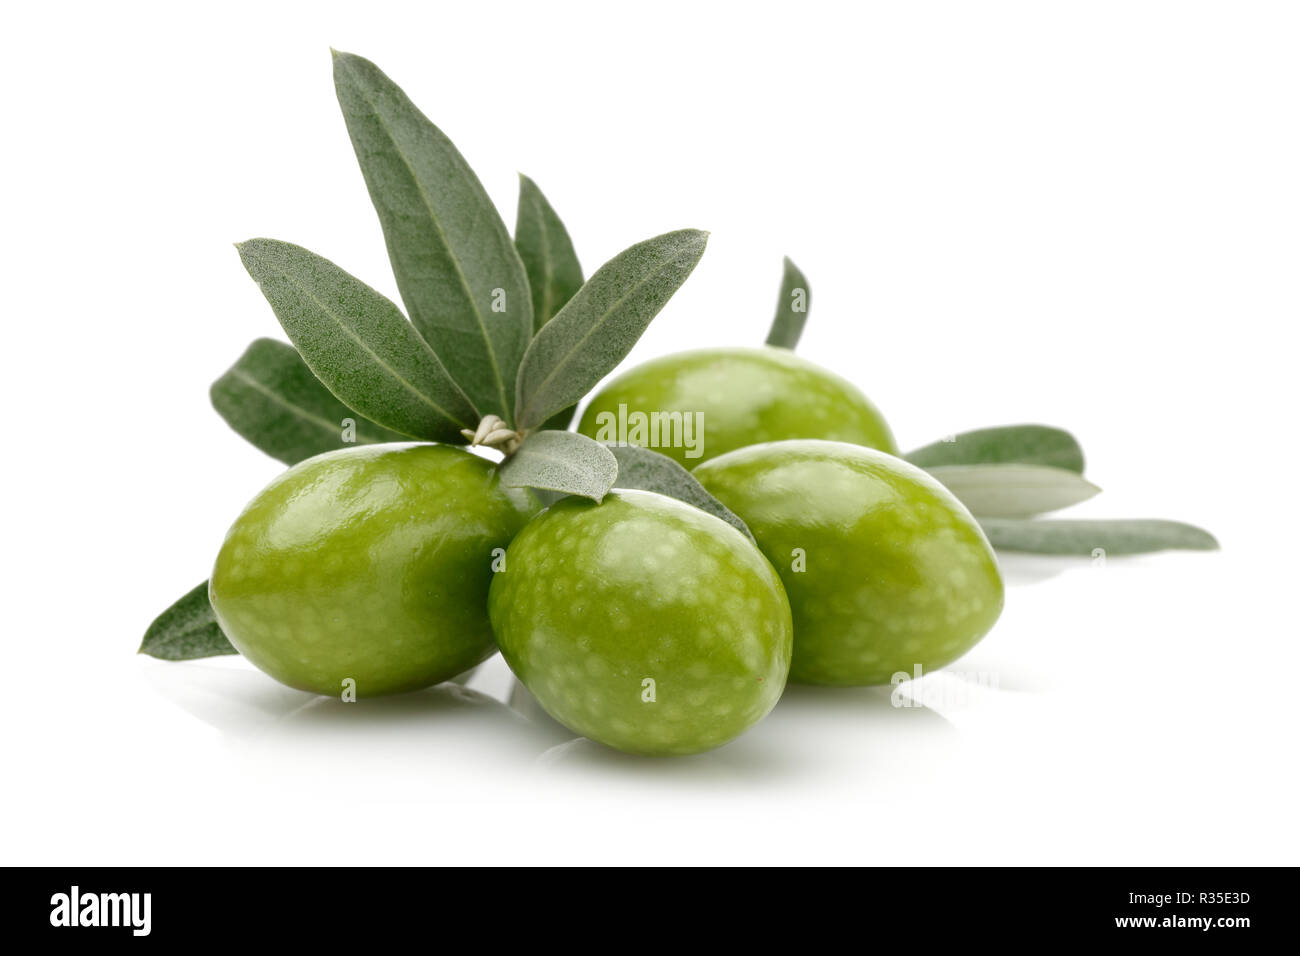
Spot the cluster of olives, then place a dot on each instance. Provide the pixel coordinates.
(639, 621)
(653, 587)
(718, 523)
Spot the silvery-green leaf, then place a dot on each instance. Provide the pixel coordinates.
(1088, 538)
(1014, 491)
(358, 343)
(554, 273)
(561, 461)
(1005, 444)
(598, 327)
(455, 263)
(187, 630)
(791, 308)
(651, 471)
(271, 398)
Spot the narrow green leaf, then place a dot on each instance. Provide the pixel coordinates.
(554, 273)
(358, 343)
(566, 462)
(791, 308)
(271, 397)
(651, 471)
(187, 630)
(1130, 536)
(1014, 491)
(1005, 444)
(600, 324)
(455, 264)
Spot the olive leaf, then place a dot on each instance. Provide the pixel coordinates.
(561, 461)
(358, 343)
(271, 398)
(455, 263)
(1127, 536)
(1005, 444)
(651, 471)
(1014, 491)
(792, 305)
(554, 273)
(187, 630)
(598, 327)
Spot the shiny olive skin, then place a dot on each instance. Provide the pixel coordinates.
(744, 396)
(371, 564)
(895, 571)
(643, 623)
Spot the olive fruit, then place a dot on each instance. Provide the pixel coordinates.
(885, 569)
(642, 622)
(371, 565)
(693, 406)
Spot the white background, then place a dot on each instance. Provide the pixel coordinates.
(1083, 214)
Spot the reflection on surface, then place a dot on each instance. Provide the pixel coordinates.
(1024, 569)
(802, 739)
(490, 731)
(228, 694)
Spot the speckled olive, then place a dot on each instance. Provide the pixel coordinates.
(370, 564)
(643, 623)
(884, 568)
(713, 401)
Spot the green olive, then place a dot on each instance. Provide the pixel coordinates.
(886, 571)
(693, 406)
(368, 565)
(643, 623)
